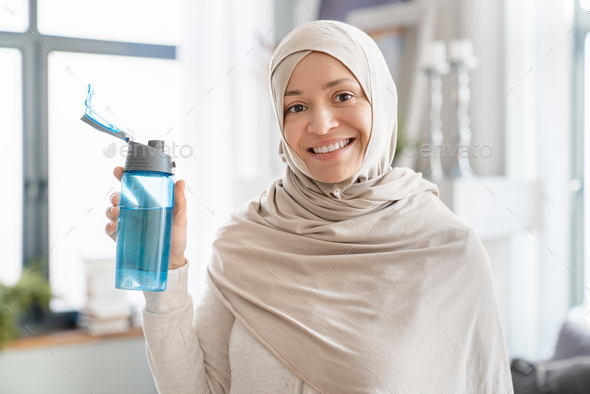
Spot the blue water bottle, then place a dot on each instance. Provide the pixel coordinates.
(145, 218)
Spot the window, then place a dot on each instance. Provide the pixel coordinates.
(47, 58)
(146, 21)
(11, 163)
(14, 16)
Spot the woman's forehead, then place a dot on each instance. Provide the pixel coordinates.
(318, 68)
(320, 64)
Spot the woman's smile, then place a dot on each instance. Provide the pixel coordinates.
(330, 150)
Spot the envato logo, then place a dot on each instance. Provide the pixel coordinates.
(460, 150)
(175, 151)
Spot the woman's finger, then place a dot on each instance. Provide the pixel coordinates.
(115, 198)
(111, 230)
(118, 172)
(112, 212)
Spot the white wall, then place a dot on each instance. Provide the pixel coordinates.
(229, 126)
(538, 130)
(529, 129)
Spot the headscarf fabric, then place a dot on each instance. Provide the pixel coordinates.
(369, 285)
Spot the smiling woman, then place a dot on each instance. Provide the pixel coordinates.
(327, 117)
(336, 278)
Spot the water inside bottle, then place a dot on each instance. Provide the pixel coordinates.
(143, 248)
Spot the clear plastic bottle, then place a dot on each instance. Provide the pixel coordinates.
(145, 219)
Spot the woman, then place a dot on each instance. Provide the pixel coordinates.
(345, 275)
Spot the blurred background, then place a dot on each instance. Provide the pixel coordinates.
(507, 80)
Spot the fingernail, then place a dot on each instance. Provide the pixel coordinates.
(113, 195)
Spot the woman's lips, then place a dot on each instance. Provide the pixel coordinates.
(333, 154)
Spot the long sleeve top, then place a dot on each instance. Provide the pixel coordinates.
(207, 350)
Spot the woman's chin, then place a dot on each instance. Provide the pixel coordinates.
(331, 177)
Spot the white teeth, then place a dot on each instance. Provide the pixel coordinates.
(332, 147)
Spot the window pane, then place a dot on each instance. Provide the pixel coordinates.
(141, 95)
(11, 160)
(145, 21)
(14, 15)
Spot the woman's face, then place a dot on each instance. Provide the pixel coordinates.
(325, 108)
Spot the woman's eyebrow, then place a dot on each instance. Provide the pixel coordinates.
(326, 86)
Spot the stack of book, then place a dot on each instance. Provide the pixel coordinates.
(106, 310)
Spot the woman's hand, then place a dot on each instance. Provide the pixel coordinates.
(179, 221)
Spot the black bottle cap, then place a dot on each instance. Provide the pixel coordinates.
(150, 157)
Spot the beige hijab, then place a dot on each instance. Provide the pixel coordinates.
(370, 285)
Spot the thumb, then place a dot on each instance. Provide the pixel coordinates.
(179, 212)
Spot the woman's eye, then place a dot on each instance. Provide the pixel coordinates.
(344, 94)
(295, 106)
(298, 107)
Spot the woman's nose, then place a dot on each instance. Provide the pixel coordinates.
(322, 121)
